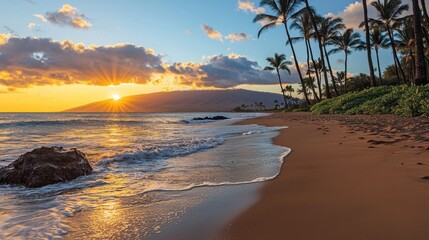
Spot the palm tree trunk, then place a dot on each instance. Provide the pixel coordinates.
(412, 67)
(297, 65)
(395, 56)
(368, 43)
(281, 86)
(309, 72)
(421, 74)
(316, 30)
(330, 70)
(316, 71)
(345, 72)
(379, 69)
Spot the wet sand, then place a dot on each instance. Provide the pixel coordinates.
(348, 177)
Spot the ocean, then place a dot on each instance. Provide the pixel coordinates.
(152, 172)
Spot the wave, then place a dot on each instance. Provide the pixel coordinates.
(166, 150)
(219, 184)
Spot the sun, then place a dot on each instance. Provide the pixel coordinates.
(116, 97)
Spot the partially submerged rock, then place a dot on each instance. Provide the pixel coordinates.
(216, 118)
(44, 166)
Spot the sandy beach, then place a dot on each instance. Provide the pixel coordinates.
(348, 177)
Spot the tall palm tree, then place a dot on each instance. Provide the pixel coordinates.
(304, 26)
(277, 63)
(328, 28)
(389, 13)
(346, 42)
(316, 31)
(379, 41)
(421, 74)
(368, 43)
(283, 11)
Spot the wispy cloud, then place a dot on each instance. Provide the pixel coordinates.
(233, 37)
(248, 6)
(237, 37)
(66, 16)
(31, 25)
(211, 33)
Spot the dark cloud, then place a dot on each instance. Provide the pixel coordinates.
(225, 72)
(28, 62)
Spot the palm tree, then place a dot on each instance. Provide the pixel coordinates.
(379, 41)
(304, 26)
(289, 89)
(406, 43)
(316, 31)
(421, 74)
(277, 63)
(328, 28)
(283, 10)
(368, 44)
(389, 13)
(346, 42)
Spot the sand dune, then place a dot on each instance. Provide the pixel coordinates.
(182, 101)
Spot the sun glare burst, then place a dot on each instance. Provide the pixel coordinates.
(116, 97)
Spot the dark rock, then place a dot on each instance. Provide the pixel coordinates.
(425, 178)
(44, 166)
(216, 118)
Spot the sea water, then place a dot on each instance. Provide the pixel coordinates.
(150, 170)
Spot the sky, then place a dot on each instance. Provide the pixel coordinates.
(56, 54)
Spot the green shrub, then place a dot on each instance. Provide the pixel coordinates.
(400, 100)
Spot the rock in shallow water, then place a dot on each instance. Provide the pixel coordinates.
(216, 118)
(44, 166)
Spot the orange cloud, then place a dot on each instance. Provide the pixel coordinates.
(211, 33)
(248, 6)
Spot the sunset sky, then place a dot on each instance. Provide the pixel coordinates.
(56, 55)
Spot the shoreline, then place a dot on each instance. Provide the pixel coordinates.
(347, 177)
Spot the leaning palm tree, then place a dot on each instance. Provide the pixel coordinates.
(303, 25)
(368, 44)
(346, 42)
(379, 41)
(421, 73)
(283, 11)
(277, 63)
(389, 14)
(328, 28)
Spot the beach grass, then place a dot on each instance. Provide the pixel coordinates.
(407, 101)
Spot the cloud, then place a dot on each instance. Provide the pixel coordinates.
(353, 15)
(4, 37)
(237, 37)
(225, 72)
(248, 6)
(211, 33)
(31, 25)
(26, 62)
(66, 16)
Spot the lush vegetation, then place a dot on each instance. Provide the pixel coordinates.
(407, 37)
(400, 100)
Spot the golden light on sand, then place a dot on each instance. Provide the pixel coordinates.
(116, 97)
